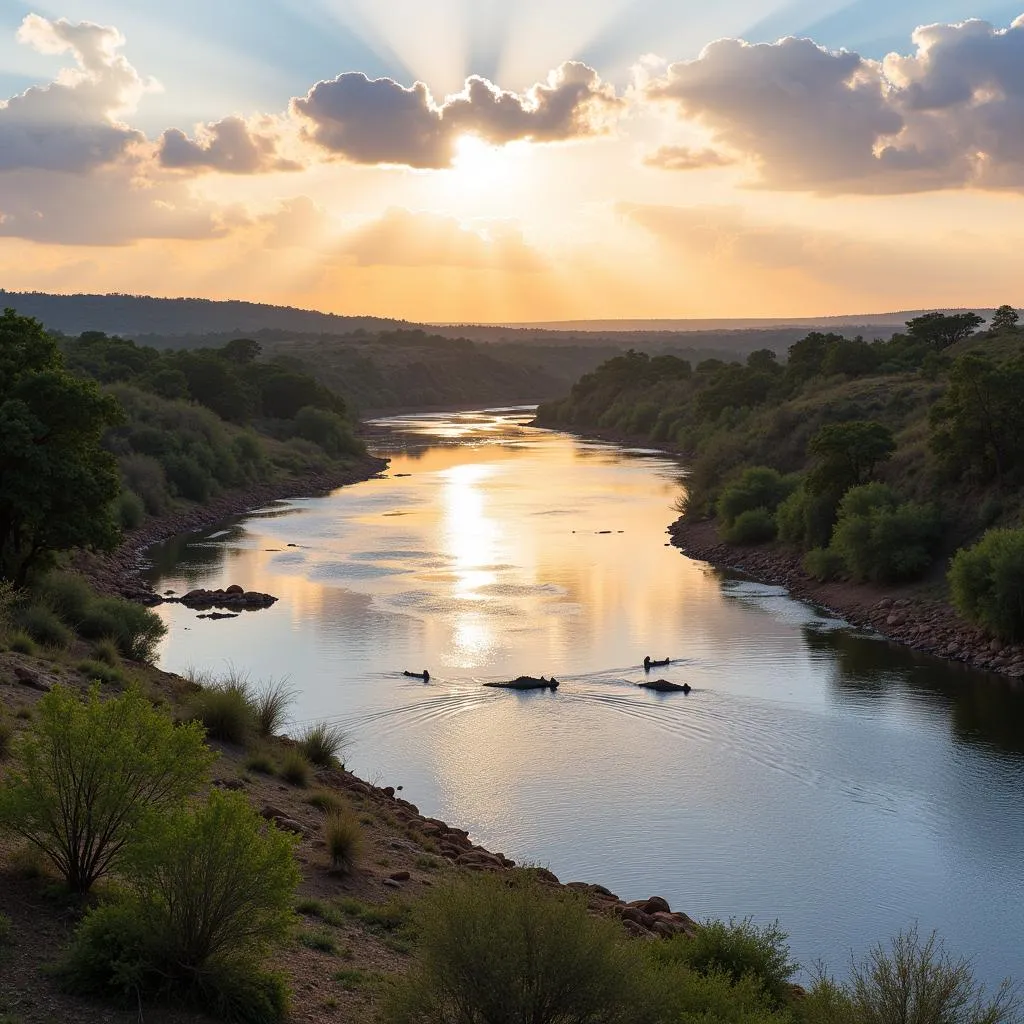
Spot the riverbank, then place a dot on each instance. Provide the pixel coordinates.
(118, 572)
(906, 615)
(353, 929)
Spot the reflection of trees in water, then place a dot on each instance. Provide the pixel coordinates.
(192, 555)
(985, 709)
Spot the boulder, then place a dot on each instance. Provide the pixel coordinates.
(655, 905)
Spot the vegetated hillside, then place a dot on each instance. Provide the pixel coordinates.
(877, 457)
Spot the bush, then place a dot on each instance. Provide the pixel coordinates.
(270, 707)
(68, 595)
(806, 520)
(295, 768)
(504, 948)
(326, 801)
(328, 430)
(911, 982)
(43, 626)
(757, 488)
(131, 510)
(755, 526)
(884, 541)
(99, 672)
(136, 630)
(322, 744)
(107, 652)
(136, 762)
(824, 564)
(344, 837)
(739, 949)
(21, 643)
(226, 709)
(987, 583)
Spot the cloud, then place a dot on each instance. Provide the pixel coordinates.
(379, 121)
(684, 158)
(420, 239)
(950, 115)
(72, 124)
(230, 145)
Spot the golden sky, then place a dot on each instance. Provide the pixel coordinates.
(432, 176)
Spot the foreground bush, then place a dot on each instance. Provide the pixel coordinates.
(987, 583)
(503, 948)
(89, 774)
(211, 892)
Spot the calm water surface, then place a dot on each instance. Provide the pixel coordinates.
(815, 774)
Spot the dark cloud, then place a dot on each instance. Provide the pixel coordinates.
(71, 124)
(231, 146)
(683, 158)
(949, 115)
(381, 122)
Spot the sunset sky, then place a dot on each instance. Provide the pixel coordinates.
(517, 160)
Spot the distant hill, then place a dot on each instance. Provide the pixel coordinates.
(133, 315)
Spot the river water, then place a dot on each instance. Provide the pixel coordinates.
(815, 774)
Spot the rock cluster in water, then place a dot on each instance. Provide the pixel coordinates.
(233, 597)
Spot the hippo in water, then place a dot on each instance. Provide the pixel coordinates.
(527, 683)
(424, 675)
(664, 686)
(648, 664)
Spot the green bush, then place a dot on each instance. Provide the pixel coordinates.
(330, 431)
(987, 583)
(740, 949)
(137, 764)
(344, 837)
(755, 526)
(882, 540)
(21, 643)
(322, 744)
(270, 707)
(43, 625)
(295, 768)
(757, 488)
(503, 948)
(806, 520)
(68, 595)
(226, 709)
(675, 993)
(824, 564)
(136, 630)
(99, 672)
(131, 510)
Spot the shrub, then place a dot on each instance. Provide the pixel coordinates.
(68, 595)
(6, 734)
(824, 564)
(260, 760)
(21, 643)
(503, 948)
(739, 949)
(757, 488)
(806, 520)
(44, 626)
(987, 583)
(322, 744)
(97, 671)
(131, 510)
(344, 838)
(90, 773)
(755, 526)
(882, 540)
(295, 768)
(270, 707)
(136, 630)
(106, 651)
(321, 940)
(326, 801)
(226, 709)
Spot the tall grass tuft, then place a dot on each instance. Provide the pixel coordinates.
(45, 627)
(322, 744)
(295, 768)
(226, 709)
(344, 837)
(270, 706)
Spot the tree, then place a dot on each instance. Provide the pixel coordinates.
(987, 583)
(807, 356)
(1004, 319)
(57, 484)
(89, 774)
(940, 330)
(242, 350)
(846, 455)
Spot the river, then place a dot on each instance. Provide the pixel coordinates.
(815, 774)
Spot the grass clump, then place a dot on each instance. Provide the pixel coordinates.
(100, 672)
(322, 744)
(225, 708)
(261, 760)
(106, 651)
(326, 801)
(295, 768)
(321, 940)
(21, 643)
(44, 626)
(344, 838)
(6, 736)
(270, 707)
(327, 914)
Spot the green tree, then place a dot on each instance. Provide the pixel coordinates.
(977, 425)
(89, 774)
(940, 330)
(1004, 319)
(987, 583)
(57, 484)
(807, 356)
(846, 454)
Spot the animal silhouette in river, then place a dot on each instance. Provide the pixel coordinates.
(648, 664)
(424, 675)
(527, 683)
(664, 686)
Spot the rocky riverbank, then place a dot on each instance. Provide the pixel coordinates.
(906, 615)
(119, 571)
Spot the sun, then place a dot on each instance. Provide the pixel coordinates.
(479, 166)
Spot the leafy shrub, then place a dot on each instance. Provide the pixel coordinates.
(330, 431)
(226, 709)
(138, 764)
(739, 949)
(757, 488)
(136, 630)
(987, 583)
(131, 510)
(270, 707)
(44, 626)
(68, 595)
(503, 947)
(344, 838)
(755, 526)
(806, 520)
(295, 768)
(21, 643)
(824, 564)
(882, 540)
(322, 744)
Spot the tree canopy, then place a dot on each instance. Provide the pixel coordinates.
(940, 330)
